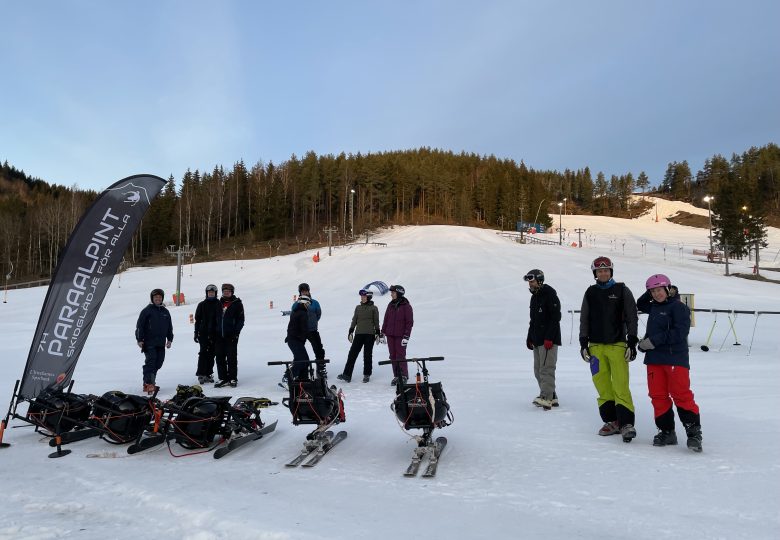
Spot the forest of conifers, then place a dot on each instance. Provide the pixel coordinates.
(266, 206)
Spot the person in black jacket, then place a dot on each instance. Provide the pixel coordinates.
(206, 320)
(544, 336)
(297, 333)
(229, 325)
(608, 339)
(154, 334)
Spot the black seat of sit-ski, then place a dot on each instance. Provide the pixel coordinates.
(199, 420)
(56, 410)
(122, 416)
(415, 408)
(312, 402)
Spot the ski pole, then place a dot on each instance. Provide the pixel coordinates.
(706, 347)
(754, 333)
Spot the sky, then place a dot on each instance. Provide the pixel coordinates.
(510, 470)
(95, 91)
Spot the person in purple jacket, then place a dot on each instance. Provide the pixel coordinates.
(397, 328)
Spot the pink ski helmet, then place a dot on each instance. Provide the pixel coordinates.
(657, 280)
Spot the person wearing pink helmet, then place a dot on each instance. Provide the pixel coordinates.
(665, 345)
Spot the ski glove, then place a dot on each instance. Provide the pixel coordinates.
(382, 339)
(376, 339)
(350, 337)
(630, 354)
(196, 339)
(584, 349)
(404, 342)
(646, 345)
(529, 344)
(548, 344)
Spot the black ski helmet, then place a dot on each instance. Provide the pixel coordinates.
(211, 287)
(155, 292)
(365, 292)
(303, 287)
(536, 274)
(399, 289)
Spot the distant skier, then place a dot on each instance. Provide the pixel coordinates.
(297, 333)
(666, 355)
(229, 326)
(397, 329)
(154, 334)
(608, 338)
(313, 335)
(544, 336)
(206, 322)
(363, 333)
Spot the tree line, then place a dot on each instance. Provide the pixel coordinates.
(292, 203)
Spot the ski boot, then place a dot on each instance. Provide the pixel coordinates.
(222, 384)
(366, 378)
(665, 438)
(693, 432)
(609, 428)
(345, 378)
(628, 433)
(233, 383)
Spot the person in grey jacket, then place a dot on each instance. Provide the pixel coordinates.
(363, 333)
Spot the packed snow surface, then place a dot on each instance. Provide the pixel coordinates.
(510, 470)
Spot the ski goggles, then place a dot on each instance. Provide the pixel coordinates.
(529, 277)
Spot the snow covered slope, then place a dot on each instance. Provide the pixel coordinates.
(510, 470)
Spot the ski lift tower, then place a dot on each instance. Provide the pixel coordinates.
(180, 253)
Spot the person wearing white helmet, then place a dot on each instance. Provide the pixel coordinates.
(665, 345)
(608, 338)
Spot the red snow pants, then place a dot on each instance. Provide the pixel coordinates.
(670, 383)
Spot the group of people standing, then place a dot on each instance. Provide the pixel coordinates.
(608, 339)
(364, 332)
(218, 324)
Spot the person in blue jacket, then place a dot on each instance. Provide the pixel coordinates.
(666, 355)
(153, 334)
(313, 335)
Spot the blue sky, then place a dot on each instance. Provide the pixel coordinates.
(93, 91)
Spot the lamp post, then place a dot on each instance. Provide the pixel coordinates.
(352, 213)
(708, 199)
(560, 224)
(564, 205)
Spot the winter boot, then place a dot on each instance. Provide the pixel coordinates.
(345, 378)
(609, 428)
(628, 433)
(394, 381)
(534, 401)
(545, 404)
(221, 384)
(555, 400)
(202, 379)
(233, 383)
(693, 432)
(209, 378)
(366, 378)
(665, 438)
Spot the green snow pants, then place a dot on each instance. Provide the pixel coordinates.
(611, 382)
